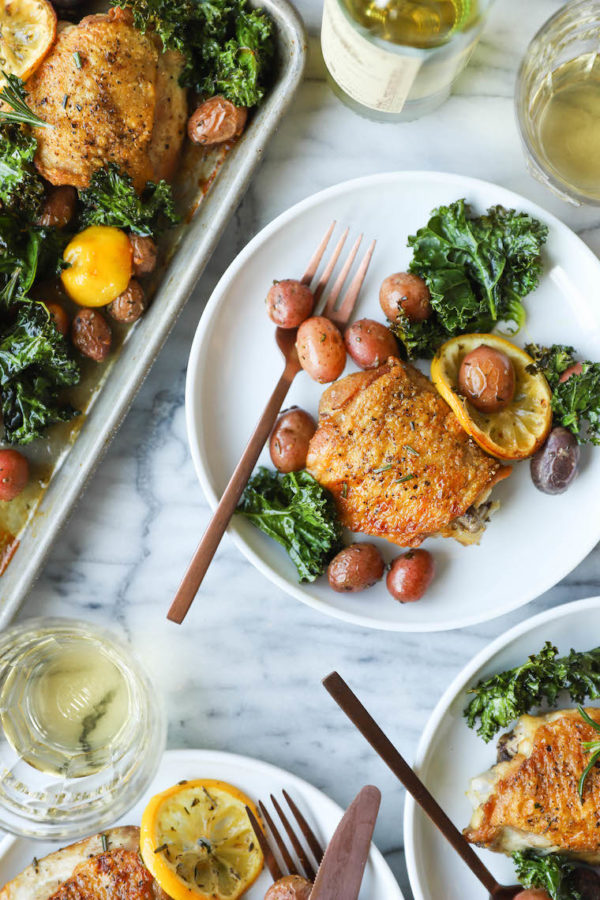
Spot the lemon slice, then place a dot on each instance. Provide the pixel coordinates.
(27, 31)
(513, 433)
(198, 843)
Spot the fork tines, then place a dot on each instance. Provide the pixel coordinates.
(341, 315)
(298, 864)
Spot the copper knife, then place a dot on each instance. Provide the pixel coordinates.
(342, 869)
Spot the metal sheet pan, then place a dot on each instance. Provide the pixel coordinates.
(124, 378)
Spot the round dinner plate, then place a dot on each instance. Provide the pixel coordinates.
(450, 753)
(534, 540)
(258, 780)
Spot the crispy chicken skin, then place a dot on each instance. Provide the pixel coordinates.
(85, 871)
(379, 427)
(123, 104)
(531, 799)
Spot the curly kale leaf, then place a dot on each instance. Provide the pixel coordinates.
(576, 401)
(502, 698)
(228, 46)
(34, 366)
(111, 199)
(550, 872)
(297, 512)
(477, 268)
(27, 252)
(21, 189)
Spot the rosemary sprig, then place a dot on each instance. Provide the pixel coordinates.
(14, 94)
(592, 747)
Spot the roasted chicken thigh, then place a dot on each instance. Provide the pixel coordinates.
(110, 95)
(531, 799)
(397, 461)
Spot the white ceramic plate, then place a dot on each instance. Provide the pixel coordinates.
(234, 365)
(258, 780)
(450, 753)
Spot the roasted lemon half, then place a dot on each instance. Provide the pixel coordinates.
(27, 31)
(515, 432)
(198, 843)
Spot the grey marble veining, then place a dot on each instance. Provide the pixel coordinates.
(244, 672)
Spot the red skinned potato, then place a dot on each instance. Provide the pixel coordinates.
(291, 887)
(289, 303)
(410, 575)
(290, 438)
(405, 293)
(370, 343)
(60, 317)
(14, 474)
(532, 894)
(321, 349)
(215, 121)
(355, 568)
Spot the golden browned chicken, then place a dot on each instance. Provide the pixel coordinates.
(397, 460)
(111, 96)
(87, 871)
(530, 798)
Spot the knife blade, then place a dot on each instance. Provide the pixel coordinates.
(342, 869)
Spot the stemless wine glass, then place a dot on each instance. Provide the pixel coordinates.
(571, 36)
(82, 729)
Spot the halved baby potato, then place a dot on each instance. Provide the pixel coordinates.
(515, 432)
(27, 32)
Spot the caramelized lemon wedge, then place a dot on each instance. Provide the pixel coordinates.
(515, 432)
(198, 843)
(27, 32)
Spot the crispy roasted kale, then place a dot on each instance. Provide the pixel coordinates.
(549, 872)
(111, 199)
(297, 512)
(34, 366)
(477, 268)
(576, 401)
(228, 46)
(21, 189)
(502, 698)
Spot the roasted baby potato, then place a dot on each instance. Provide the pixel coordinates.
(91, 334)
(355, 568)
(370, 343)
(405, 294)
(215, 121)
(555, 465)
(410, 575)
(289, 303)
(14, 474)
(100, 262)
(321, 349)
(290, 438)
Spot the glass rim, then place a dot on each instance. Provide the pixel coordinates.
(533, 158)
(113, 800)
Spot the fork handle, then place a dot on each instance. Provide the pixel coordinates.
(228, 503)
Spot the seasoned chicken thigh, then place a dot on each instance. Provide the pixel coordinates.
(397, 461)
(531, 799)
(102, 867)
(111, 96)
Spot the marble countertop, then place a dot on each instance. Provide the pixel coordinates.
(244, 672)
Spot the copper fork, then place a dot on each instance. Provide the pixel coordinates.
(305, 864)
(286, 341)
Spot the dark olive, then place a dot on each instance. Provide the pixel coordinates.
(487, 379)
(554, 466)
